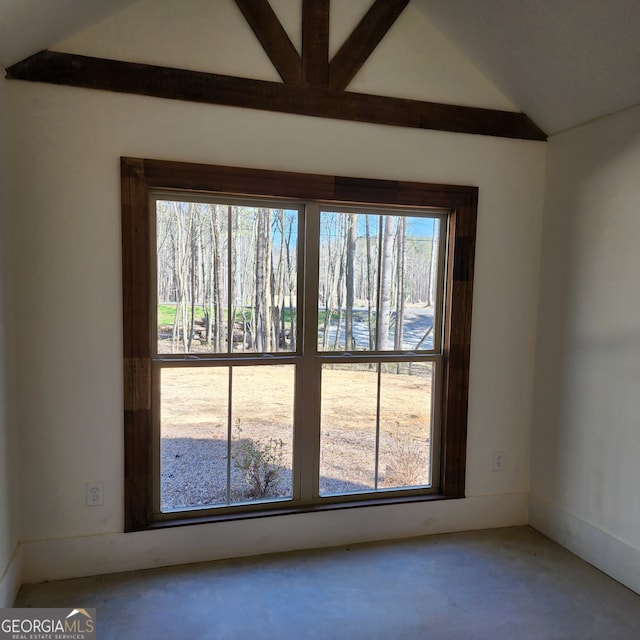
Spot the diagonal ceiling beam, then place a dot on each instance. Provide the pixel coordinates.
(315, 43)
(196, 86)
(363, 40)
(273, 38)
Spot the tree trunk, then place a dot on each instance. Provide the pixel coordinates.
(259, 303)
(433, 266)
(397, 342)
(400, 288)
(369, 285)
(218, 337)
(386, 268)
(350, 344)
(192, 274)
(292, 281)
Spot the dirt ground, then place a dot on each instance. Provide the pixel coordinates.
(195, 415)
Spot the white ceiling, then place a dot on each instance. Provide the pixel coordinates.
(28, 26)
(563, 62)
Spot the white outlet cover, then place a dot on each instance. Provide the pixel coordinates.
(95, 494)
(498, 460)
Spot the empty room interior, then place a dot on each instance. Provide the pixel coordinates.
(336, 300)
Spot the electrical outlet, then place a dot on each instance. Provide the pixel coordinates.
(95, 494)
(498, 460)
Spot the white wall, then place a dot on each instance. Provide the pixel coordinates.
(66, 145)
(413, 60)
(586, 435)
(9, 525)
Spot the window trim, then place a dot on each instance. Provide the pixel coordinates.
(139, 177)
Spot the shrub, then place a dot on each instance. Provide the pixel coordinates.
(407, 461)
(260, 462)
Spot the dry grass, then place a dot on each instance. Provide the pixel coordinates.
(195, 417)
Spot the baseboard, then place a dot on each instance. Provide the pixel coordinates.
(111, 553)
(11, 579)
(614, 557)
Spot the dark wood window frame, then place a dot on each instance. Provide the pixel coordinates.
(141, 177)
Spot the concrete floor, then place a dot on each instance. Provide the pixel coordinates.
(505, 583)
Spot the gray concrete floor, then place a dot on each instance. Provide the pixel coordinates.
(505, 583)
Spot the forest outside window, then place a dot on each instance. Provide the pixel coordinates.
(292, 342)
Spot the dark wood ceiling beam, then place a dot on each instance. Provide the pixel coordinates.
(315, 43)
(195, 86)
(273, 38)
(363, 40)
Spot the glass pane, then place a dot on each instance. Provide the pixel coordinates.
(348, 428)
(193, 437)
(262, 446)
(348, 276)
(195, 468)
(378, 282)
(405, 425)
(192, 277)
(196, 266)
(264, 273)
(413, 288)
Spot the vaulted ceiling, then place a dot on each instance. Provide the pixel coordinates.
(563, 62)
(28, 26)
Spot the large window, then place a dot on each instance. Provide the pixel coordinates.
(292, 342)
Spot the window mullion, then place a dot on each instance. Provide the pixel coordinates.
(308, 402)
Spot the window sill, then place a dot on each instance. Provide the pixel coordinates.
(290, 510)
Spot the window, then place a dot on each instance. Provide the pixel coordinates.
(291, 341)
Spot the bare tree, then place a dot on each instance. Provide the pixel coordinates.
(370, 285)
(291, 277)
(341, 242)
(328, 271)
(400, 284)
(433, 266)
(386, 267)
(218, 279)
(352, 227)
(234, 263)
(278, 279)
(259, 319)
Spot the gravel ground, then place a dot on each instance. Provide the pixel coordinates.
(194, 463)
